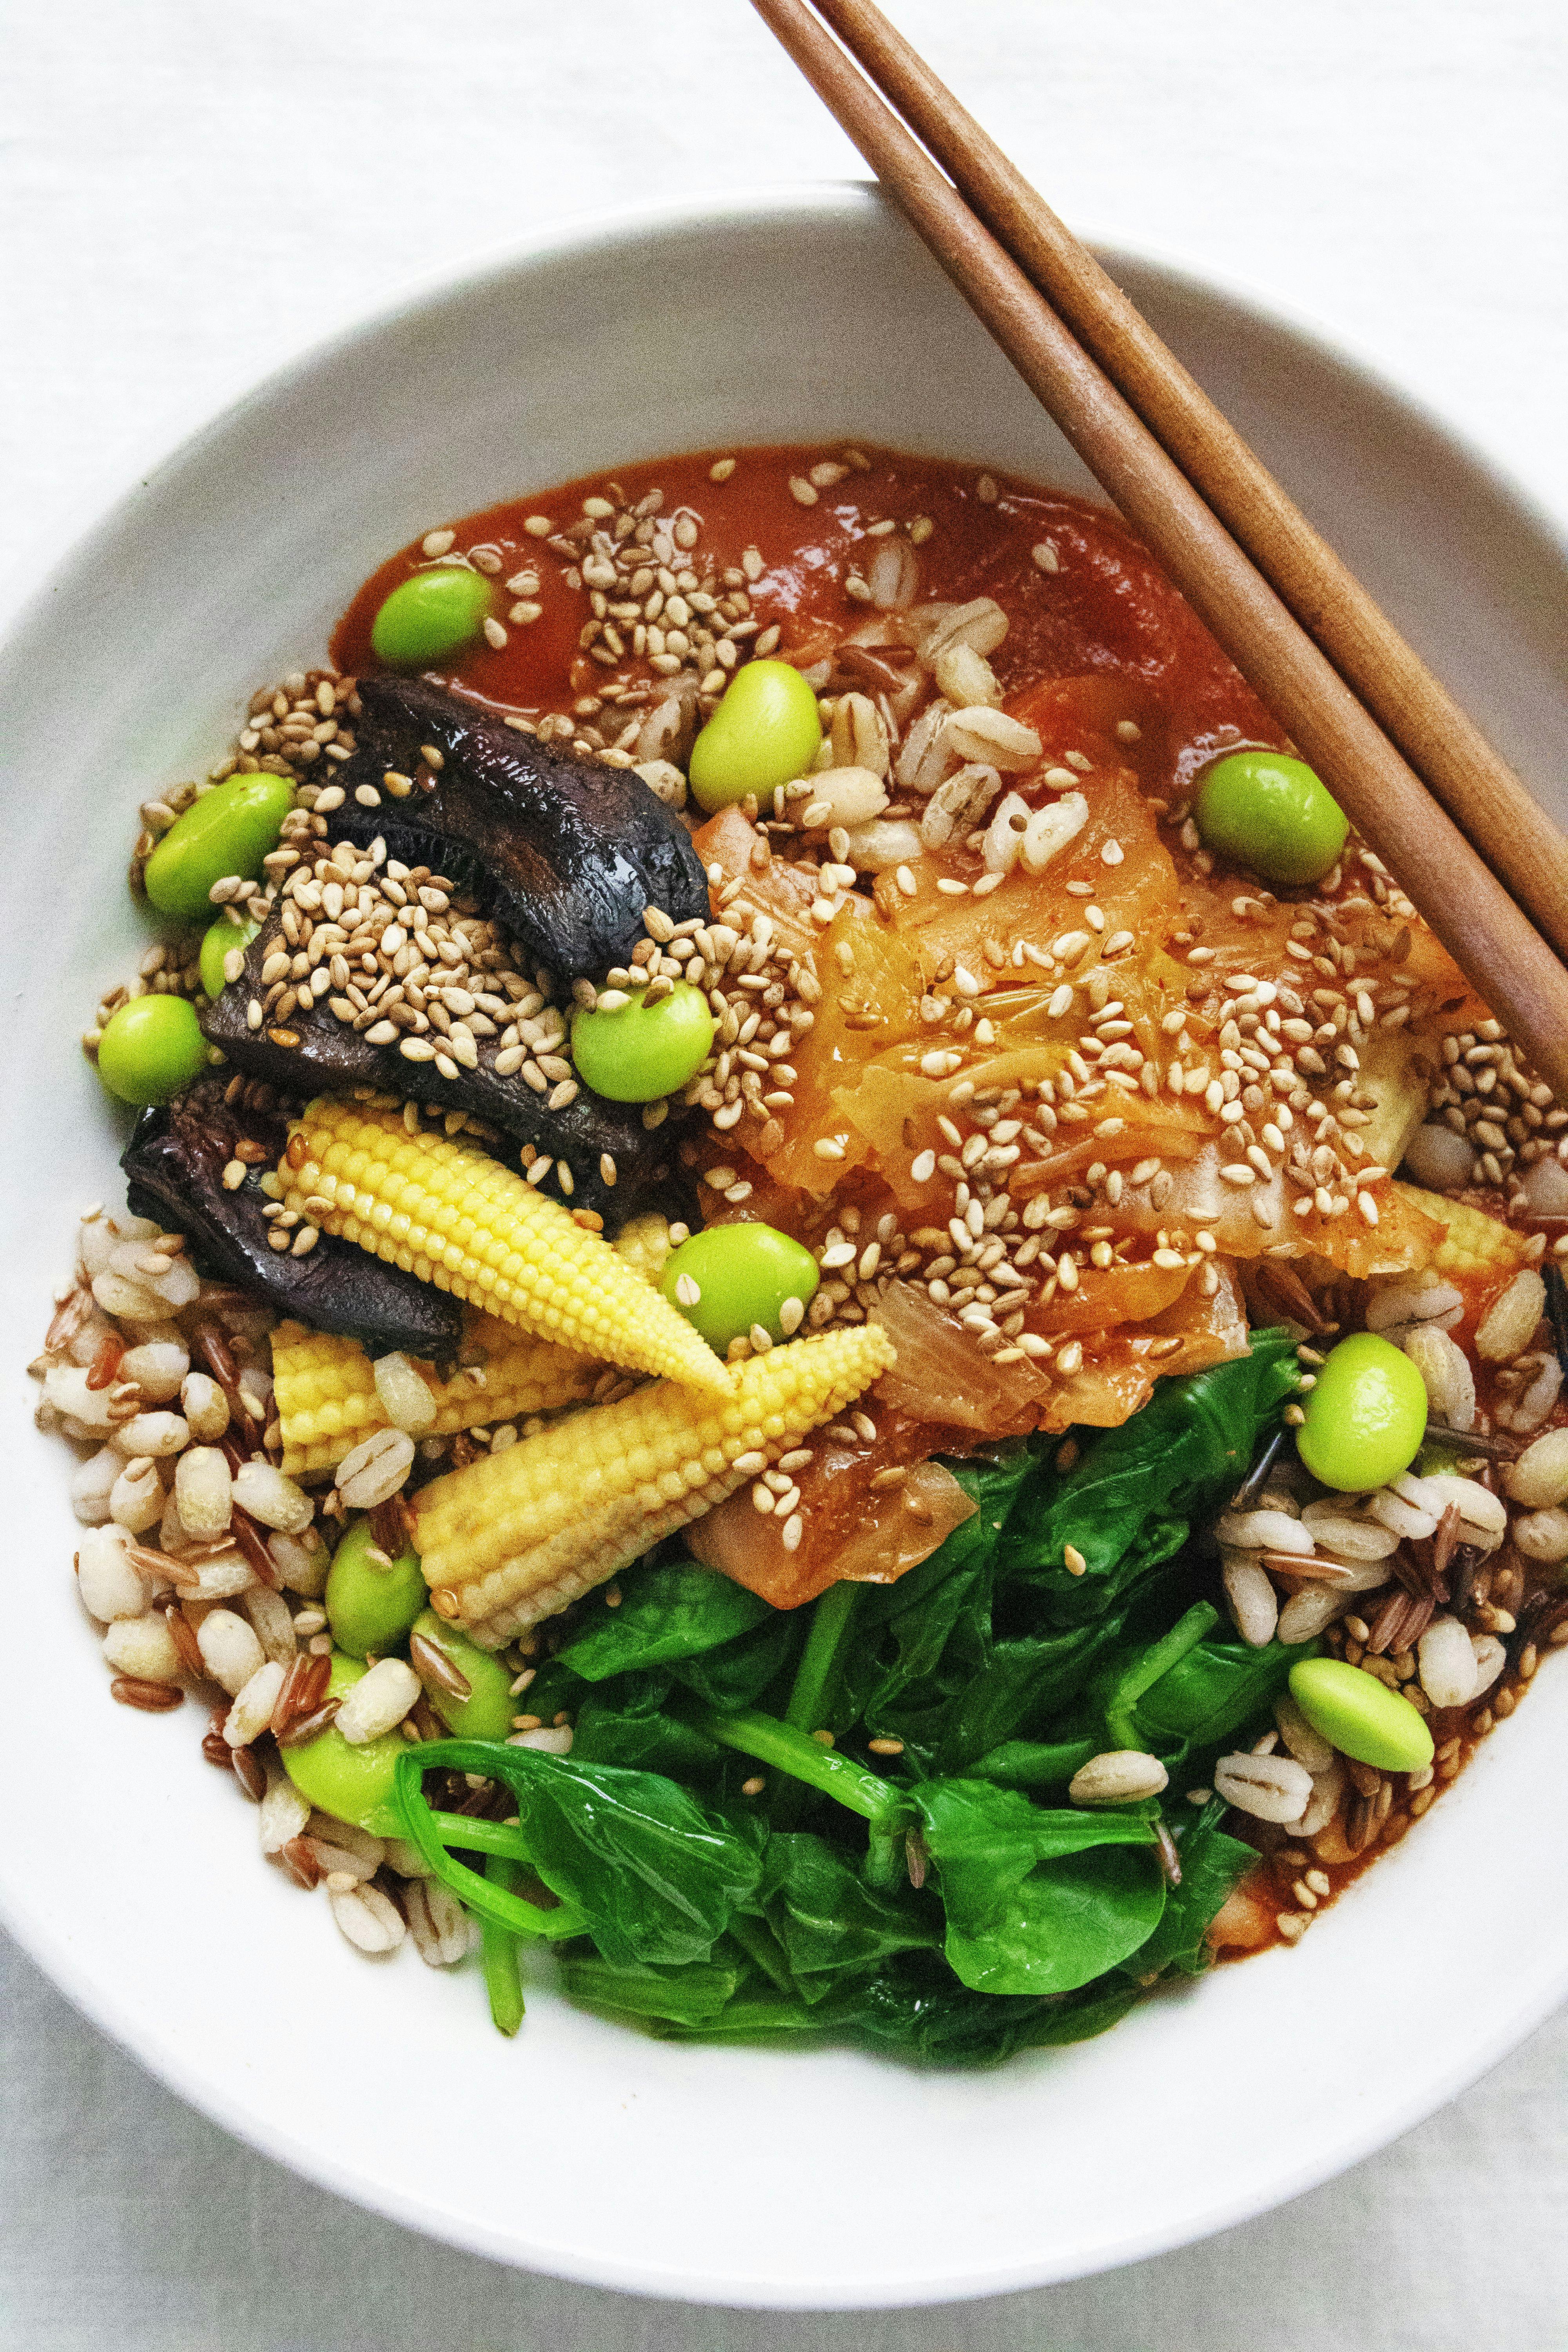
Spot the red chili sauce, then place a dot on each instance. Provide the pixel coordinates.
(1109, 610)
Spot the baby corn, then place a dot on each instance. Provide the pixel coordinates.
(327, 1399)
(1474, 1243)
(446, 1212)
(516, 1537)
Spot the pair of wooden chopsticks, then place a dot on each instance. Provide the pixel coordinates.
(1411, 770)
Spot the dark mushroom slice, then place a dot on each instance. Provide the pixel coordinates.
(174, 1163)
(318, 1054)
(574, 848)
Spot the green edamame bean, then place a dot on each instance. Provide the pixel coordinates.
(731, 1277)
(1270, 813)
(228, 830)
(352, 1783)
(766, 731)
(1360, 1715)
(636, 1052)
(371, 1608)
(151, 1049)
(218, 940)
(433, 614)
(487, 1711)
(1366, 1417)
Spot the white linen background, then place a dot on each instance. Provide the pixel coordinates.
(192, 193)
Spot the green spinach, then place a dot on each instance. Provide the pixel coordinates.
(669, 1609)
(1130, 1501)
(1037, 1901)
(726, 1864)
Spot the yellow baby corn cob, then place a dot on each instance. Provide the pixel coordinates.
(516, 1537)
(443, 1210)
(327, 1401)
(1474, 1243)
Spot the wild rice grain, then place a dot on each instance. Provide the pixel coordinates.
(148, 1698)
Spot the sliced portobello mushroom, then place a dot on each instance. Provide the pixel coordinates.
(174, 1163)
(330, 1057)
(575, 849)
(565, 854)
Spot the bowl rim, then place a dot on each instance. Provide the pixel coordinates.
(100, 511)
(71, 525)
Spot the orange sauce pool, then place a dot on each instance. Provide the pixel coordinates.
(1107, 609)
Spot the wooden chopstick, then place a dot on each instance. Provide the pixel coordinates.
(1507, 960)
(1479, 789)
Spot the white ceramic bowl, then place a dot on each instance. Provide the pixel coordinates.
(130, 1870)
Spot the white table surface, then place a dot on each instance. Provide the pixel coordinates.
(192, 193)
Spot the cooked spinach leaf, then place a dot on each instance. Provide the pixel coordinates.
(920, 2015)
(787, 1747)
(1131, 1499)
(1025, 1681)
(737, 1674)
(693, 1995)
(660, 1741)
(669, 1609)
(1212, 1864)
(909, 2013)
(1034, 1763)
(828, 1923)
(653, 1874)
(1211, 1691)
(1037, 1901)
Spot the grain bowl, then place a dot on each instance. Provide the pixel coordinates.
(219, 1983)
